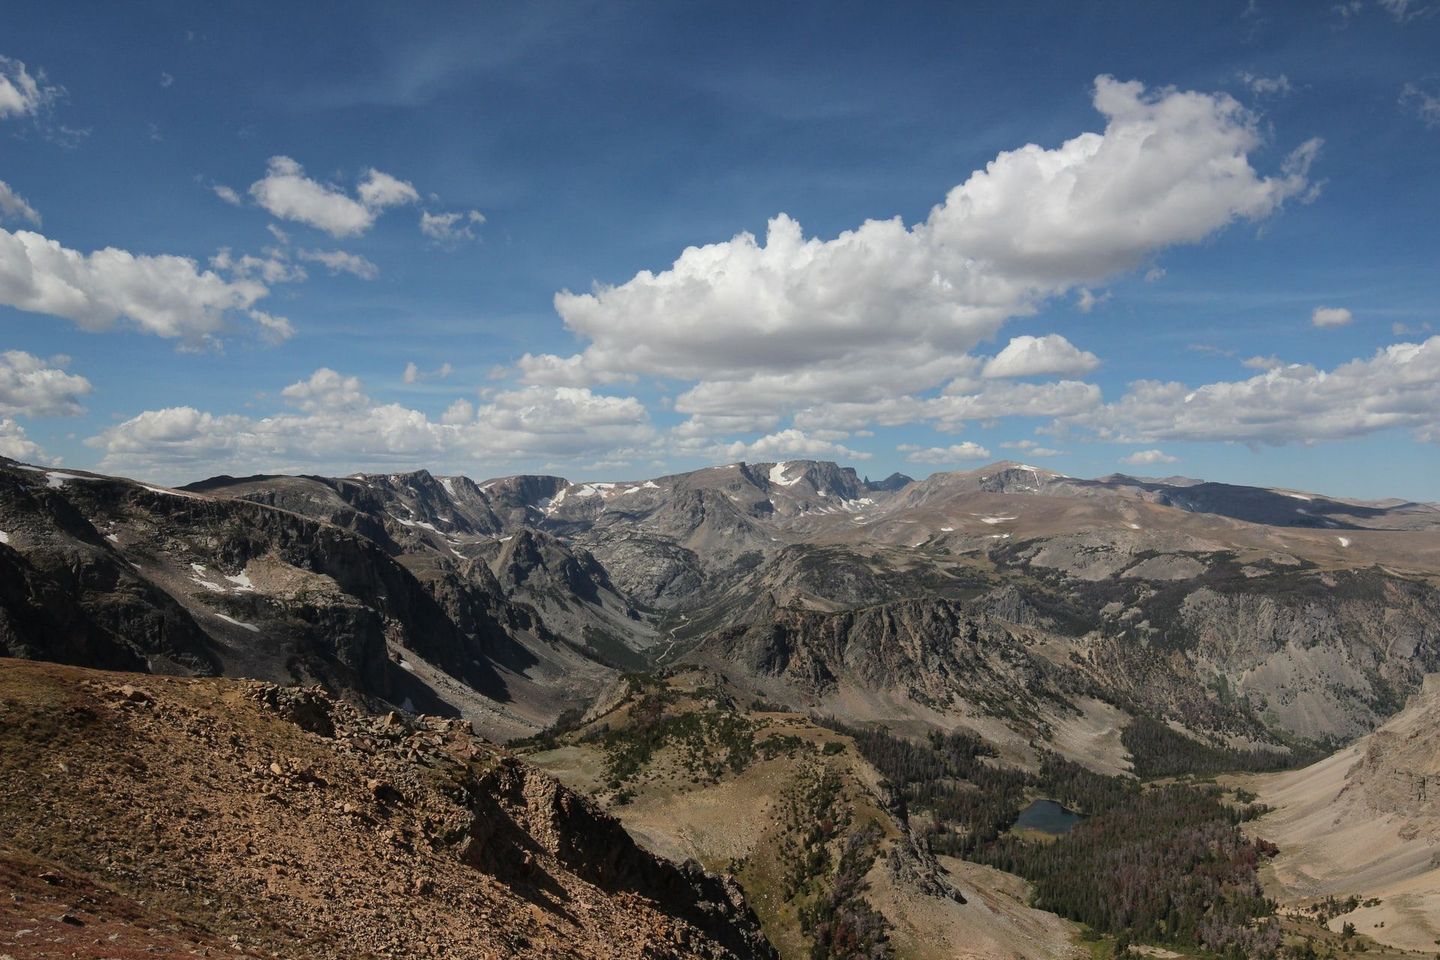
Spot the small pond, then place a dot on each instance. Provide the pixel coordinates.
(1047, 816)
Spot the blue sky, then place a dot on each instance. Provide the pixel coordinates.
(1138, 291)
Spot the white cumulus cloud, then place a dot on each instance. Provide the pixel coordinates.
(273, 267)
(968, 450)
(1425, 101)
(14, 207)
(549, 369)
(23, 93)
(785, 443)
(34, 387)
(1396, 388)
(335, 426)
(961, 401)
(1263, 86)
(1331, 317)
(286, 192)
(17, 446)
(1262, 363)
(273, 329)
(1086, 300)
(378, 190)
(413, 373)
(1051, 355)
(342, 261)
(1403, 10)
(165, 295)
(895, 308)
(327, 390)
(1148, 457)
(1032, 448)
(450, 227)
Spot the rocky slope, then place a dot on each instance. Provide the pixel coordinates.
(1365, 823)
(242, 817)
(1260, 505)
(940, 655)
(107, 572)
(1238, 660)
(449, 532)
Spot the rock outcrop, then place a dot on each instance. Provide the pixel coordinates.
(281, 821)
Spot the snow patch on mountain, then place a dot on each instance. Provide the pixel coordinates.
(239, 623)
(777, 475)
(241, 581)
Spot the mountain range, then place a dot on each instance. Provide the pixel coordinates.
(1243, 613)
(1040, 615)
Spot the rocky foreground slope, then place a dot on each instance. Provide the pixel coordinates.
(144, 815)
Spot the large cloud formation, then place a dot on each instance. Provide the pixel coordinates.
(165, 295)
(1397, 387)
(17, 446)
(797, 320)
(335, 426)
(798, 343)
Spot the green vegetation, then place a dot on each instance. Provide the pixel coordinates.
(1159, 751)
(549, 738)
(826, 868)
(710, 741)
(1329, 908)
(972, 801)
(841, 923)
(1177, 871)
(1176, 868)
(610, 649)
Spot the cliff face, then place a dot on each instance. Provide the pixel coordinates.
(941, 654)
(288, 822)
(1324, 655)
(109, 573)
(1270, 662)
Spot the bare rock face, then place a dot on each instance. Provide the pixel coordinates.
(1324, 660)
(310, 709)
(938, 653)
(651, 570)
(110, 573)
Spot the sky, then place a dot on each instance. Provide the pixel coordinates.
(619, 240)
